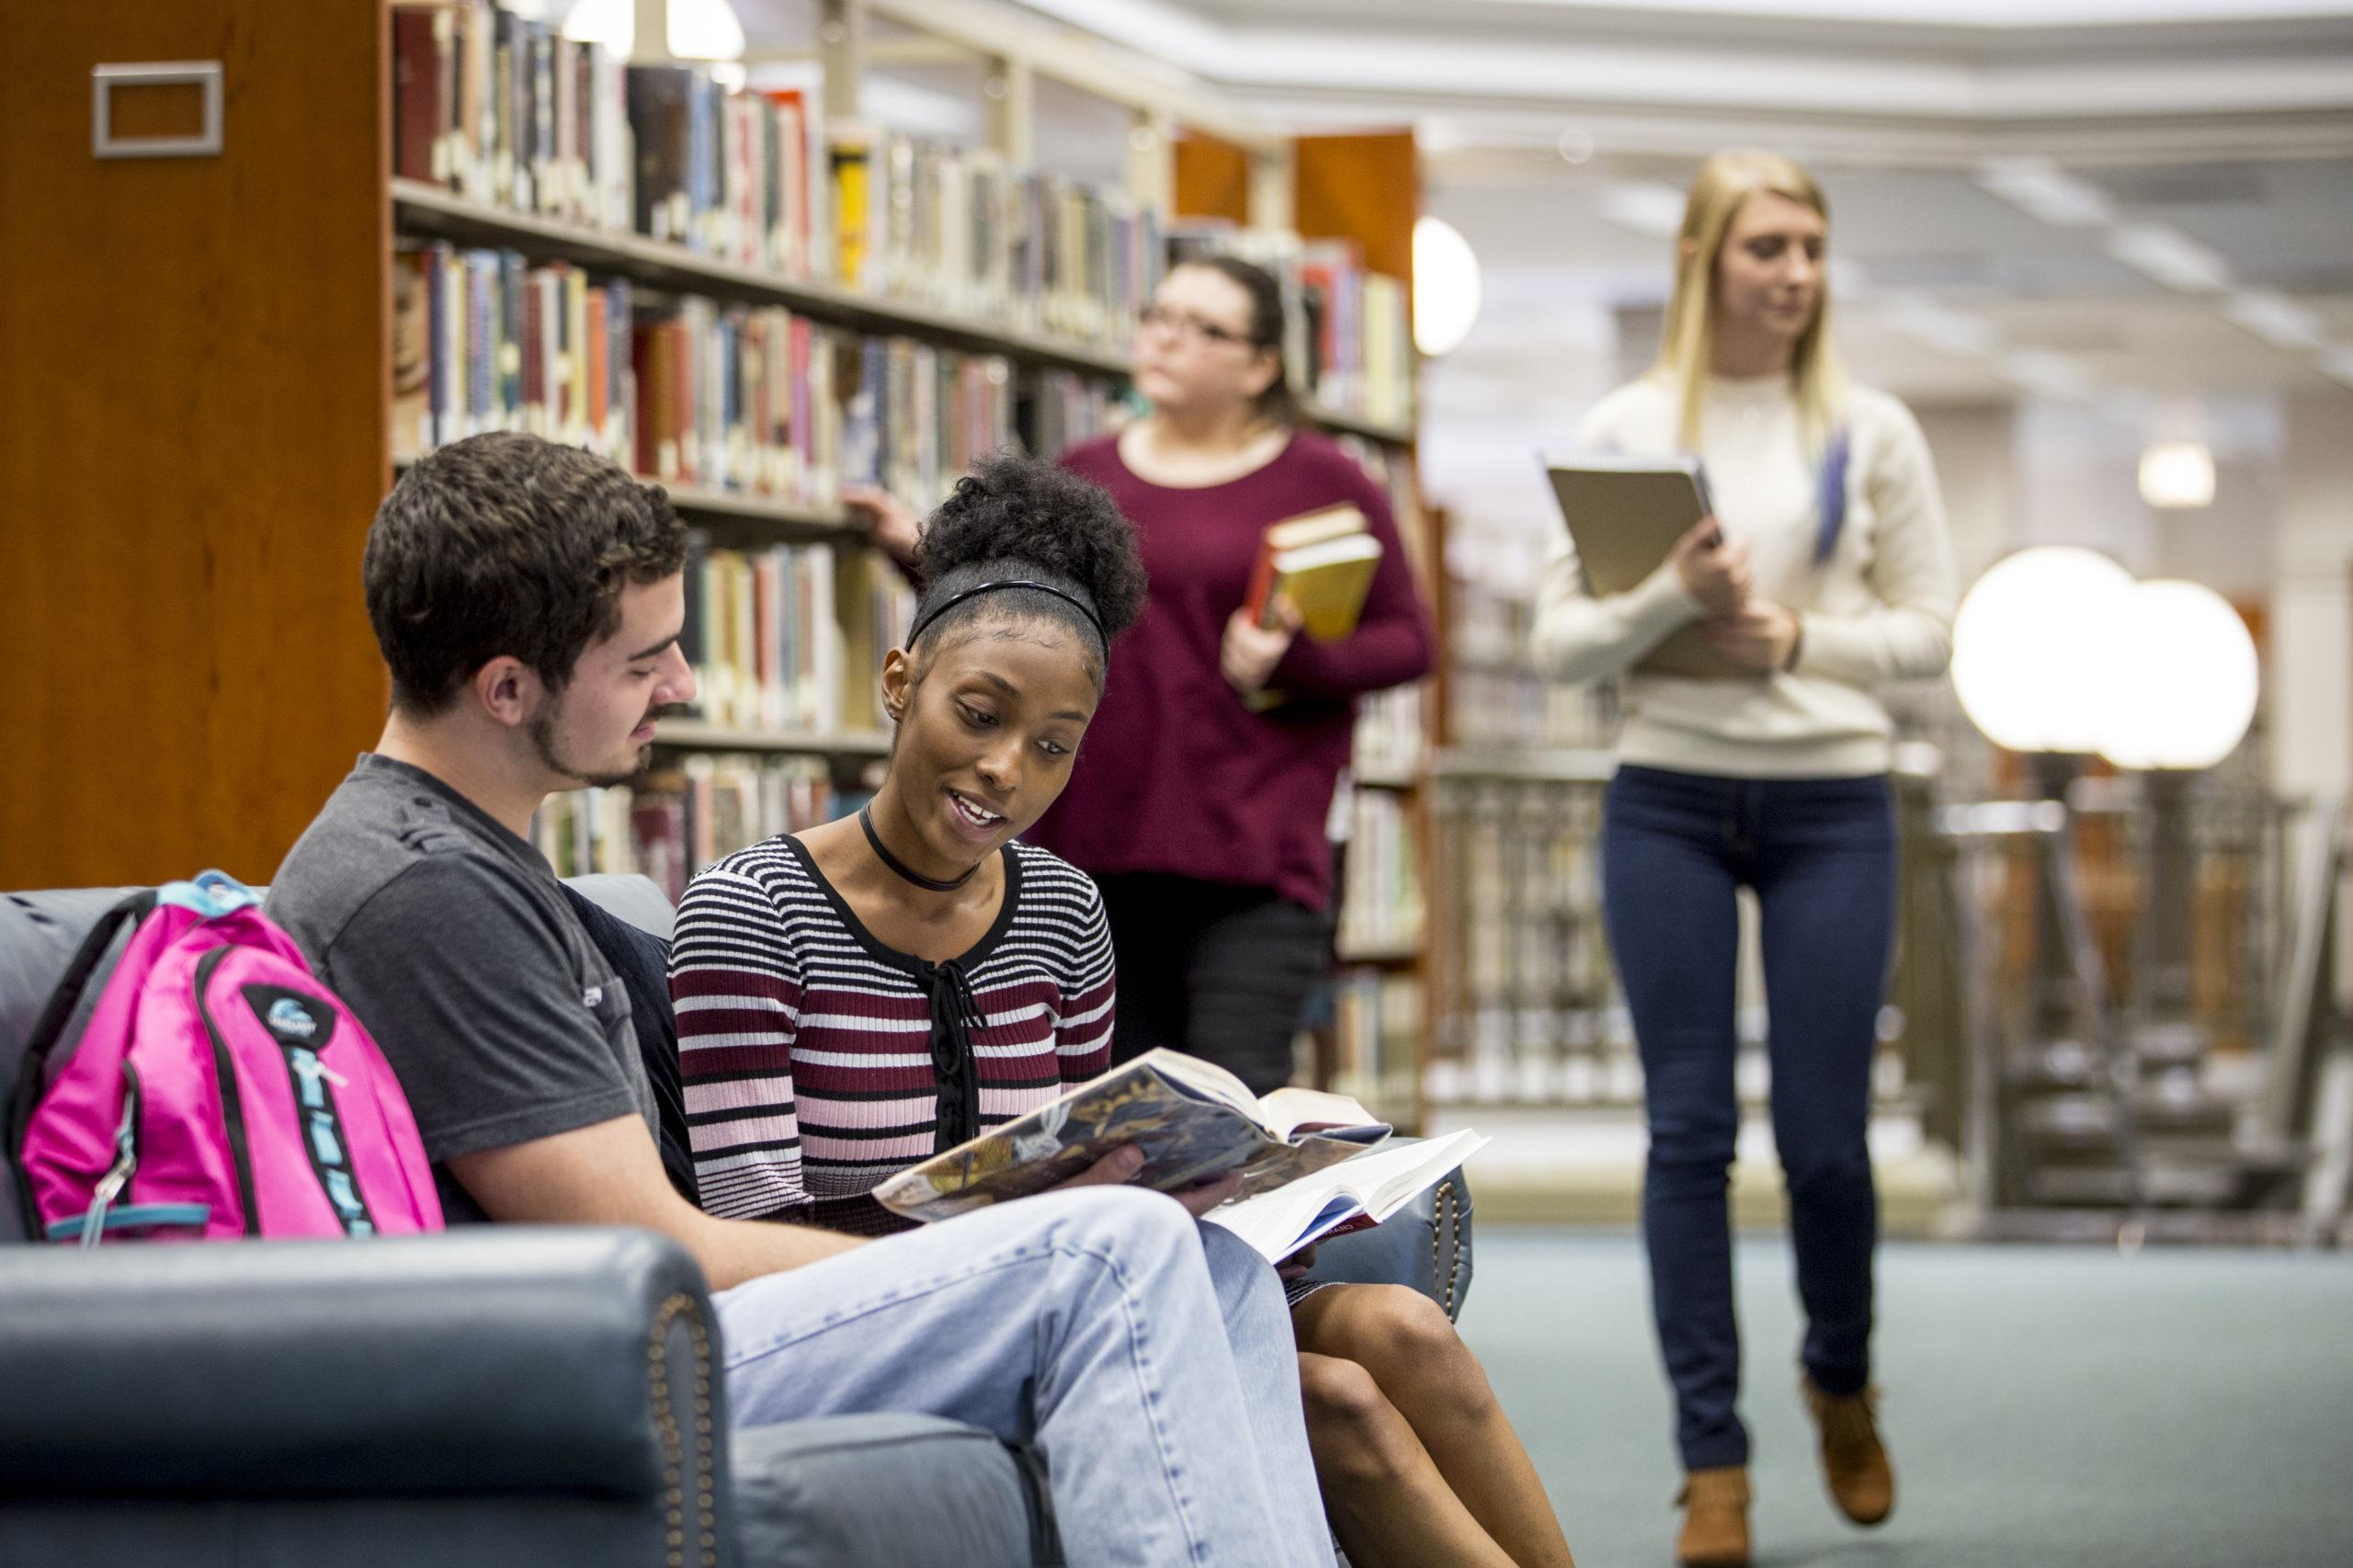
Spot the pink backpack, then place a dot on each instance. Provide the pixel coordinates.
(206, 1086)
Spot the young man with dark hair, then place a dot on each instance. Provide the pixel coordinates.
(529, 600)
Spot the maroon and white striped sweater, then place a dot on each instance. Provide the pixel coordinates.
(803, 1043)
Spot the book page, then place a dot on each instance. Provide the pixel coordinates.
(1279, 1221)
(1285, 1111)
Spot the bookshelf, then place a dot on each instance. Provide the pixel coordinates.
(427, 212)
(200, 454)
(692, 735)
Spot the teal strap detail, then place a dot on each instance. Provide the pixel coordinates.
(211, 894)
(133, 1216)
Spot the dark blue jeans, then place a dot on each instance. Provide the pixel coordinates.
(1821, 854)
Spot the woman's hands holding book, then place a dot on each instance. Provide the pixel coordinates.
(1296, 1266)
(1760, 635)
(1119, 1167)
(1250, 652)
(1713, 568)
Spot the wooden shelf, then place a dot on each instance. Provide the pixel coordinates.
(429, 211)
(1526, 767)
(693, 734)
(1383, 957)
(1384, 778)
(1358, 424)
(728, 508)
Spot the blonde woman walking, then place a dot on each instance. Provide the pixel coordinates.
(1824, 573)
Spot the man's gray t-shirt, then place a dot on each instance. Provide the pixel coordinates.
(450, 938)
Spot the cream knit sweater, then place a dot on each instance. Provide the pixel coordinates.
(1879, 609)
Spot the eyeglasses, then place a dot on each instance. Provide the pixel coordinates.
(1183, 325)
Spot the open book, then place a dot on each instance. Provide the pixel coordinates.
(1351, 1196)
(1193, 1119)
(1625, 514)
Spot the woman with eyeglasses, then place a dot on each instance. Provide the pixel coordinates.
(1203, 817)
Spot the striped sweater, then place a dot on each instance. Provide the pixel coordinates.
(803, 1043)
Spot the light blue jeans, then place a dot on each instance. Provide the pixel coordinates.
(1149, 1358)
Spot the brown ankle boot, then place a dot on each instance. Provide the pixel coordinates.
(1715, 1519)
(1854, 1462)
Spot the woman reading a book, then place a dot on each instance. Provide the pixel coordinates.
(855, 998)
(1824, 573)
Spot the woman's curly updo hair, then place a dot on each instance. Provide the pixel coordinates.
(1014, 518)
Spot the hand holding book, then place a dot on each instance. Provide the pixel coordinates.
(1189, 1119)
(1251, 647)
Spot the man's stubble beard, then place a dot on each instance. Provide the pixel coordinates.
(542, 732)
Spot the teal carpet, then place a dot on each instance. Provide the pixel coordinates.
(2045, 1407)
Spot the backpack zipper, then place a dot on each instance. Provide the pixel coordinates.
(233, 1109)
(126, 1161)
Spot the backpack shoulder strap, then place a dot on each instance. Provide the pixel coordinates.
(64, 1001)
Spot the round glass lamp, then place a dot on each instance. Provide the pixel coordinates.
(1446, 287)
(2191, 679)
(2035, 649)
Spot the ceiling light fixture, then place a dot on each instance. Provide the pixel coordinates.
(1643, 206)
(2275, 318)
(2170, 257)
(700, 29)
(1932, 325)
(2041, 370)
(2177, 475)
(2040, 188)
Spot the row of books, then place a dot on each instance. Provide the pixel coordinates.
(1497, 696)
(1376, 1039)
(1391, 742)
(757, 400)
(1521, 709)
(953, 228)
(504, 110)
(1381, 895)
(675, 820)
(1349, 342)
(790, 639)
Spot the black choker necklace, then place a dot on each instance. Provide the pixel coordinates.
(866, 821)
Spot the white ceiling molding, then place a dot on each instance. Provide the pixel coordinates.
(1664, 77)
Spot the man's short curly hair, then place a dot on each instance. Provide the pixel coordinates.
(1015, 517)
(506, 544)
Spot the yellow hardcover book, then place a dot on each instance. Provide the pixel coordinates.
(852, 167)
(1328, 582)
(1324, 561)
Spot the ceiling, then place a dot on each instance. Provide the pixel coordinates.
(2193, 164)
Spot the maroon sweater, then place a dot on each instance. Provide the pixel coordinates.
(1177, 774)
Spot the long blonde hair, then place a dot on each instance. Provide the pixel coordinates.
(1724, 182)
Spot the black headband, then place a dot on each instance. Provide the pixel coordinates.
(952, 600)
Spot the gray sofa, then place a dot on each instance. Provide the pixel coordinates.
(496, 1395)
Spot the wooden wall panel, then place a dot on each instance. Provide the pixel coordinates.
(1367, 188)
(193, 425)
(1212, 178)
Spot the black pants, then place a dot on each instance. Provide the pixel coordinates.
(1218, 971)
